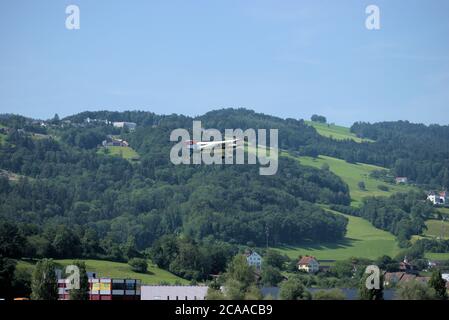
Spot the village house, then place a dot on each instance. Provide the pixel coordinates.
(394, 278)
(401, 180)
(438, 198)
(114, 142)
(308, 264)
(129, 125)
(254, 259)
(89, 120)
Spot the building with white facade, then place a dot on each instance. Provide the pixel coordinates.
(308, 264)
(130, 125)
(254, 259)
(438, 198)
(173, 292)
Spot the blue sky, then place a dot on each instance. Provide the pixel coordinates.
(286, 58)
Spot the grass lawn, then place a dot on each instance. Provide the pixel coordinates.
(111, 269)
(444, 211)
(127, 153)
(437, 228)
(437, 256)
(352, 174)
(335, 132)
(362, 240)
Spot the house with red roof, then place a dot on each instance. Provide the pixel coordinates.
(308, 264)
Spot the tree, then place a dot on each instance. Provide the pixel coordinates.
(275, 259)
(138, 265)
(11, 241)
(7, 268)
(318, 118)
(361, 185)
(214, 294)
(370, 294)
(83, 292)
(335, 294)
(415, 290)
(293, 289)
(239, 270)
(44, 285)
(56, 118)
(271, 276)
(438, 284)
(240, 280)
(22, 283)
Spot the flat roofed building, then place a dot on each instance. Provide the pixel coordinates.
(173, 292)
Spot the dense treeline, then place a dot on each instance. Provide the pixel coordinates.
(73, 202)
(114, 205)
(416, 151)
(401, 214)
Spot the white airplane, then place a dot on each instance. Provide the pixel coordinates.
(198, 146)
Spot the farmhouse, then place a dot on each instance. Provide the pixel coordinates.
(438, 198)
(254, 259)
(308, 264)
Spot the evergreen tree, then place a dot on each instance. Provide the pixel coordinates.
(7, 268)
(44, 285)
(438, 284)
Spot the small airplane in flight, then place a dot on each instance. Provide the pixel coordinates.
(202, 145)
(198, 146)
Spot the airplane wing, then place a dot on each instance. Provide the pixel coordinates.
(217, 144)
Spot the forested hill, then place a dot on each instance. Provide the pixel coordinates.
(71, 200)
(68, 199)
(416, 151)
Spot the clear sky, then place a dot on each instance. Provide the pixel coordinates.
(286, 58)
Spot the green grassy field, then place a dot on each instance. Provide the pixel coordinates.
(335, 132)
(352, 174)
(437, 256)
(127, 153)
(103, 268)
(362, 240)
(437, 228)
(444, 211)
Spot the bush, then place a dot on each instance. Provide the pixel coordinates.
(138, 265)
(383, 187)
(335, 294)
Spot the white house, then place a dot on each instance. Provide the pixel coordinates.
(254, 259)
(173, 292)
(130, 125)
(401, 180)
(308, 264)
(440, 198)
